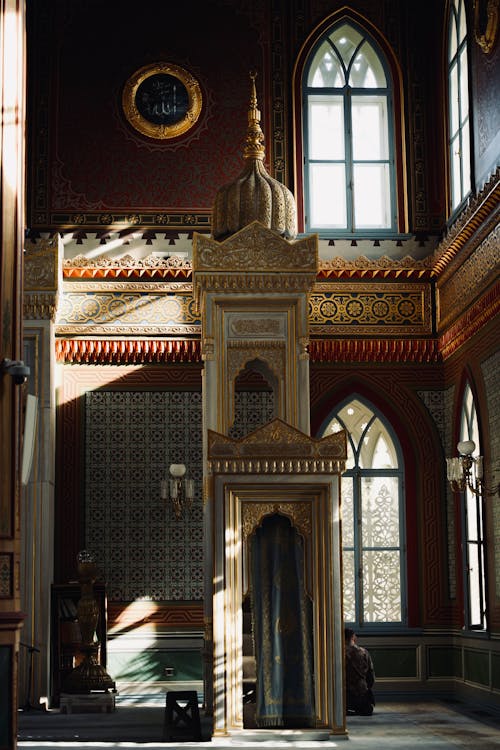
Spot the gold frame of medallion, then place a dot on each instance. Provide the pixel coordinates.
(150, 129)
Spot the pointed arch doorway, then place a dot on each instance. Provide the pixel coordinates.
(277, 471)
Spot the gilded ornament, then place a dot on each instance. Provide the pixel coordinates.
(254, 195)
(255, 246)
(253, 514)
(277, 447)
(162, 100)
(486, 38)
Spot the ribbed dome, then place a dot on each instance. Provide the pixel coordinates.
(254, 195)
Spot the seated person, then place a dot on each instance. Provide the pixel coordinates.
(360, 676)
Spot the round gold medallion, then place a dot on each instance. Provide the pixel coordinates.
(162, 100)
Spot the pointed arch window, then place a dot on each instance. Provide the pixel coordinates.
(372, 518)
(473, 526)
(349, 174)
(458, 106)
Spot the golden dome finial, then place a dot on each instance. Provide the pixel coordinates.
(254, 142)
(254, 195)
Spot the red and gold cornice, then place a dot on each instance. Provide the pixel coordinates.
(472, 321)
(127, 267)
(380, 268)
(127, 351)
(474, 223)
(149, 351)
(374, 351)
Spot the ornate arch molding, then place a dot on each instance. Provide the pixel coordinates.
(395, 396)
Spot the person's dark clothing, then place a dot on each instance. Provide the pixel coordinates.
(360, 677)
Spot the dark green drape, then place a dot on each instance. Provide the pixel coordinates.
(282, 623)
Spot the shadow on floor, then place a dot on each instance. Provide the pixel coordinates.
(438, 725)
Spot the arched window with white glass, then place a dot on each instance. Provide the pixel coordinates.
(372, 517)
(458, 105)
(473, 526)
(349, 172)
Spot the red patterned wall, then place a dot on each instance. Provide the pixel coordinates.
(87, 157)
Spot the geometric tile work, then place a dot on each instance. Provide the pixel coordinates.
(252, 409)
(491, 374)
(6, 572)
(131, 438)
(440, 404)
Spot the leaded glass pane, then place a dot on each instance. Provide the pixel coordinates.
(464, 90)
(462, 21)
(378, 450)
(328, 197)
(453, 37)
(326, 69)
(356, 416)
(473, 518)
(346, 39)
(367, 71)
(474, 570)
(347, 512)
(381, 586)
(465, 160)
(326, 128)
(380, 511)
(372, 202)
(454, 116)
(455, 172)
(336, 426)
(349, 579)
(369, 128)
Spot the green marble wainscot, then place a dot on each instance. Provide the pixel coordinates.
(476, 666)
(395, 663)
(444, 661)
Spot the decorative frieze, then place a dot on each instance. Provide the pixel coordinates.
(42, 278)
(276, 448)
(384, 308)
(470, 279)
(239, 354)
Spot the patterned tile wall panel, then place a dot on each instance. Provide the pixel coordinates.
(440, 404)
(491, 374)
(6, 576)
(131, 437)
(252, 409)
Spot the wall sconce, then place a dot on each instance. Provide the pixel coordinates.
(465, 471)
(178, 489)
(16, 368)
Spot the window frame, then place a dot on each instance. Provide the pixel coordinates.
(347, 93)
(464, 125)
(468, 428)
(357, 474)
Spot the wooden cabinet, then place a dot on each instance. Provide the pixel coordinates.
(65, 632)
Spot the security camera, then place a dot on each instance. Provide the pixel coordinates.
(16, 369)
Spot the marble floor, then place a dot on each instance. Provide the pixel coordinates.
(436, 725)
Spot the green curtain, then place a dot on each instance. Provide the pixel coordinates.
(282, 625)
